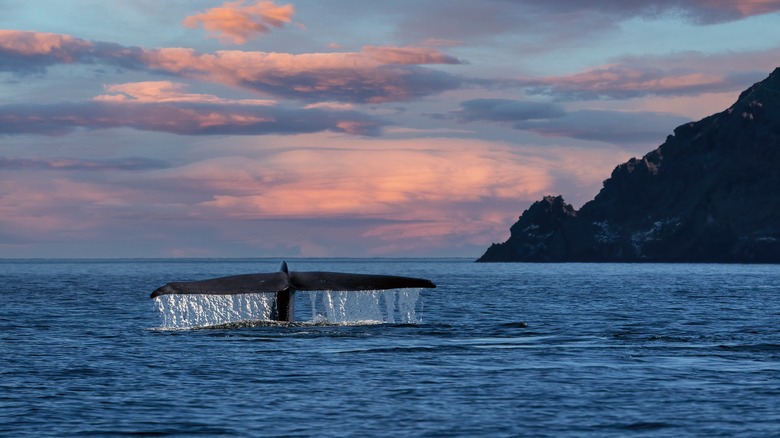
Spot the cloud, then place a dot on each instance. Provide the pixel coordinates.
(714, 11)
(237, 22)
(422, 195)
(552, 120)
(375, 74)
(408, 55)
(33, 52)
(185, 114)
(78, 164)
(627, 82)
(167, 91)
(392, 179)
(698, 11)
(367, 183)
(607, 126)
(677, 74)
(338, 196)
(507, 110)
(48, 207)
(542, 24)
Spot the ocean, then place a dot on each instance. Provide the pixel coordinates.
(539, 350)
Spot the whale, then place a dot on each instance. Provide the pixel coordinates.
(284, 283)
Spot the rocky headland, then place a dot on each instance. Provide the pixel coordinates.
(709, 193)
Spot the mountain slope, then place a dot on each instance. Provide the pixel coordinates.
(710, 193)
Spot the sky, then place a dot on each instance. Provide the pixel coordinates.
(341, 128)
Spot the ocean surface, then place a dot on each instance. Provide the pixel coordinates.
(540, 350)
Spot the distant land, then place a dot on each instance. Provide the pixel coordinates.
(709, 193)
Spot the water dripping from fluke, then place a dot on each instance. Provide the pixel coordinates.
(321, 308)
(272, 297)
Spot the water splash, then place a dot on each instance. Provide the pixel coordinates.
(387, 306)
(323, 307)
(190, 311)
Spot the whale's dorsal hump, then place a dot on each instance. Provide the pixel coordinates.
(283, 267)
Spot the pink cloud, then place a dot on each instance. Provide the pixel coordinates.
(54, 207)
(695, 107)
(61, 47)
(162, 108)
(404, 183)
(408, 55)
(623, 81)
(340, 197)
(167, 91)
(678, 74)
(415, 196)
(380, 195)
(24, 52)
(236, 22)
(375, 74)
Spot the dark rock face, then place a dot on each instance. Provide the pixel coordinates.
(710, 193)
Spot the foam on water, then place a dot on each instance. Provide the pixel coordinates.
(323, 307)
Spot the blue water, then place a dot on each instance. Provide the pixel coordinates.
(496, 350)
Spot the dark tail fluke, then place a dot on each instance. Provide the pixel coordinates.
(237, 284)
(284, 283)
(343, 281)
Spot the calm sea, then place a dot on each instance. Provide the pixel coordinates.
(496, 350)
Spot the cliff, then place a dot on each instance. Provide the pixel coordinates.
(709, 193)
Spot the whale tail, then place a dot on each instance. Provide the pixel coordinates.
(285, 283)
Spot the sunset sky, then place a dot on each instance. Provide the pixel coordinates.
(195, 128)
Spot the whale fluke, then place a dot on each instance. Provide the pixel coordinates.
(284, 283)
(344, 281)
(237, 284)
